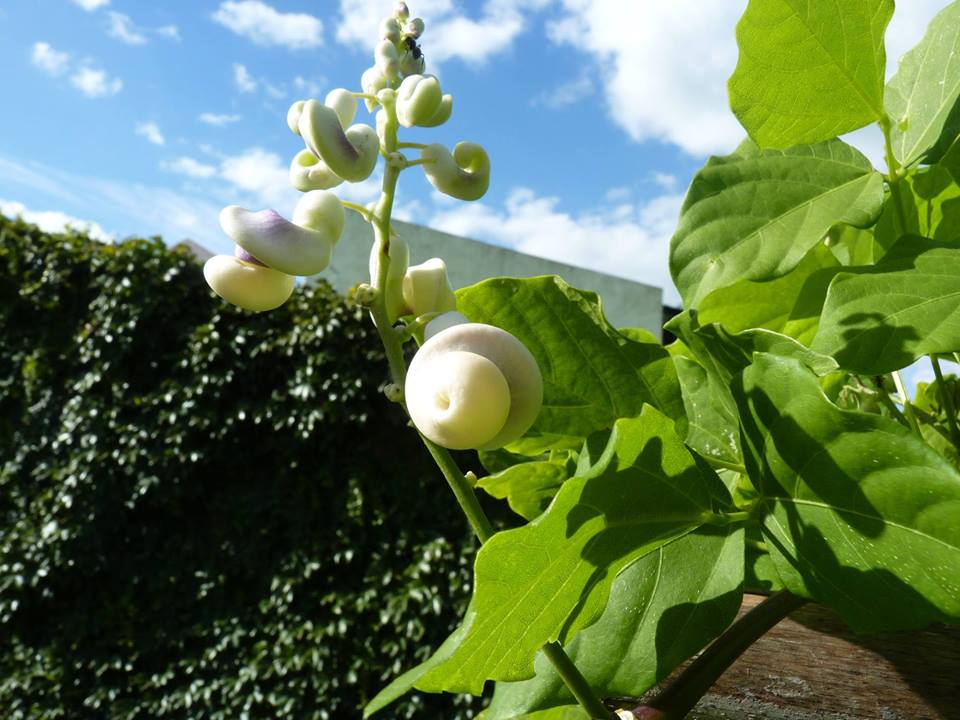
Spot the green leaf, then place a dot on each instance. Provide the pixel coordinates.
(528, 487)
(861, 515)
(406, 682)
(882, 318)
(592, 374)
(809, 71)
(662, 609)
(921, 99)
(712, 427)
(926, 203)
(790, 304)
(754, 215)
(547, 580)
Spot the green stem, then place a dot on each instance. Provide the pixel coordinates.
(393, 347)
(946, 399)
(421, 161)
(893, 177)
(884, 397)
(907, 407)
(575, 682)
(726, 465)
(411, 145)
(357, 208)
(681, 695)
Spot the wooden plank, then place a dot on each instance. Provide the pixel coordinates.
(812, 666)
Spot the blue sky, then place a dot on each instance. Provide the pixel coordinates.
(146, 118)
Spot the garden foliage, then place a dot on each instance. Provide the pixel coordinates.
(199, 518)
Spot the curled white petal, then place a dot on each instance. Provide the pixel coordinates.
(442, 322)
(426, 288)
(511, 358)
(308, 172)
(247, 285)
(344, 104)
(461, 401)
(465, 174)
(393, 289)
(442, 114)
(302, 247)
(418, 99)
(352, 155)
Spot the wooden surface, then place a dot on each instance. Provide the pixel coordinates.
(812, 666)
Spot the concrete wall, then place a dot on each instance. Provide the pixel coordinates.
(625, 302)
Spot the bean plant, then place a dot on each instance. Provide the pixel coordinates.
(773, 446)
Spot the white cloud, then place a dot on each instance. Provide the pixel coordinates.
(133, 208)
(190, 167)
(171, 32)
(657, 88)
(121, 28)
(91, 5)
(262, 174)
(451, 34)
(150, 131)
(217, 119)
(243, 79)
(95, 83)
(52, 62)
(277, 92)
(628, 240)
(567, 93)
(265, 26)
(53, 221)
(307, 87)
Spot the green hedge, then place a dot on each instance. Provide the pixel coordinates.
(205, 513)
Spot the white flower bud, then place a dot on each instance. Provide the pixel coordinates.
(413, 28)
(401, 10)
(418, 100)
(308, 172)
(387, 58)
(442, 114)
(351, 155)
(372, 81)
(247, 285)
(390, 29)
(393, 289)
(442, 322)
(458, 400)
(301, 247)
(464, 175)
(293, 116)
(426, 288)
(344, 104)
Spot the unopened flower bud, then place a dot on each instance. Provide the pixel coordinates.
(465, 174)
(352, 155)
(390, 29)
(372, 81)
(413, 28)
(387, 59)
(293, 116)
(401, 10)
(426, 288)
(247, 285)
(344, 104)
(308, 172)
(419, 99)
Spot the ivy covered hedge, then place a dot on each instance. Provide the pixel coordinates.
(199, 507)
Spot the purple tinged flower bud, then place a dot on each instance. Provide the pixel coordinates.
(240, 253)
(302, 247)
(352, 155)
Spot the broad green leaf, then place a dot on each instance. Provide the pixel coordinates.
(406, 682)
(527, 487)
(860, 514)
(712, 428)
(809, 71)
(790, 304)
(926, 203)
(592, 374)
(547, 580)
(921, 99)
(754, 215)
(882, 318)
(853, 246)
(662, 609)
